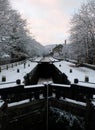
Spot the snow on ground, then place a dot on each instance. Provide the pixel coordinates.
(12, 75)
(36, 59)
(77, 72)
(48, 59)
(45, 59)
(52, 59)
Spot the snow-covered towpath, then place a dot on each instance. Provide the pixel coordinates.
(77, 72)
(12, 75)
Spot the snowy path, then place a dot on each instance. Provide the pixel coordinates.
(12, 75)
(77, 72)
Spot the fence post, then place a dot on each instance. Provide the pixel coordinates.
(0, 69)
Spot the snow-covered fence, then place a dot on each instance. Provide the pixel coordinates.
(70, 60)
(11, 65)
(82, 64)
(89, 66)
(17, 109)
(74, 92)
(65, 97)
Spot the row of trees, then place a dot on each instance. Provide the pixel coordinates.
(14, 37)
(82, 36)
(83, 32)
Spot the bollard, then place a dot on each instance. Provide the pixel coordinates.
(3, 78)
(18, 81)
(76, 81)
(12, 65)
(86, 79)
(7, 67)
(24, 65)
(70, 70)
(18, 70)
(28, 65)
(59, 65)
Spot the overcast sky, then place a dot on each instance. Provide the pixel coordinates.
(48, 20)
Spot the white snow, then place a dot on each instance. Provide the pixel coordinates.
(60, 85)
(12, 75)
(33, 86)
(77, 72)
(52, 59)
(9, 85)
(37, 59)
(1, 103)
(74, 101)
(18, 103)
(5, 56)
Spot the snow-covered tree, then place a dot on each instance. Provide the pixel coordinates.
(14, 38)
(83, 31)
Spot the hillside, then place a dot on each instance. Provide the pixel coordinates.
(15, 41)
